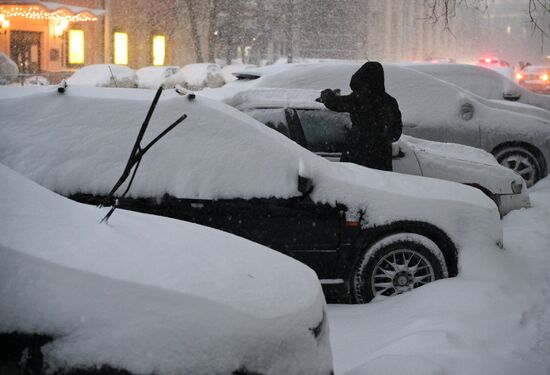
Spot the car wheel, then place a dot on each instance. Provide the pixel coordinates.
(521, 161)
(395, 265)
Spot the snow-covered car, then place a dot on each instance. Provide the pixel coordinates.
(432, 109)
(228, 70)
(500, 66)
(8, 69)
(296, 114)
(487, 84)
(366, 233)
(151, 77)
(198, 76)
(104, 75)
(147, 294)
(535, 78)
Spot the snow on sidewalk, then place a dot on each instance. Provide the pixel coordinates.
(494, 318)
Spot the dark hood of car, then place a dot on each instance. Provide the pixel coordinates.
(370, 76)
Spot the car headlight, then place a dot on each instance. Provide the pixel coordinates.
(517, 187)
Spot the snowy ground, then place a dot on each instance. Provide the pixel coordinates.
(492, 319)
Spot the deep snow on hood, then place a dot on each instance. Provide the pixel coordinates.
(150, 294)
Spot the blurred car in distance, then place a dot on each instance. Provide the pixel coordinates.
(151, 77)
(104, 75)
(147, 295)
(498, 65)
(295, 114)
(198, 76)
(222, 168)
(535, 78)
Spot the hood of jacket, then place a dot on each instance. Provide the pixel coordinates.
(369, 77)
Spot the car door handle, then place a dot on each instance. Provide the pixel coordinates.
(197, 205)
(409, 125)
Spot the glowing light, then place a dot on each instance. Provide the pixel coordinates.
(4, 24)
(159, 49)
(76, 47)
(59, 27)
(121, 48)
(488, 60)
(544, 77)
(519, 76)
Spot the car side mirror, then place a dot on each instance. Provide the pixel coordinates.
(305, 185)
(513, 97)
(467, 111)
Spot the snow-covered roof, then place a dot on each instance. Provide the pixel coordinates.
(53, 6)
(150, 294)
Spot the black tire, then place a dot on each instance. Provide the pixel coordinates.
(373, 265)
(521, 161)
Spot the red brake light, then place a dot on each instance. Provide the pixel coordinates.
(519, 76)
(544, 77)
(488, 60)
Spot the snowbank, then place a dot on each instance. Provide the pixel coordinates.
(150, 294)
(493, 318)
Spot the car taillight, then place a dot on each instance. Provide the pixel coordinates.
(544, 77)
(519, 76)
(488, 60)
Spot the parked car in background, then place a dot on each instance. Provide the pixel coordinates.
(432, 109)
(147, 295)
(487, 84)
(366, 233)
(198, 76)
(535, 78)
(498, 65)
(151, 77)
(295, 114)
(104, 75)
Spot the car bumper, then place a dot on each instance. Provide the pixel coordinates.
(509, 202)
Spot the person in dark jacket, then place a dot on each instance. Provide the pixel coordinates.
(375, 117)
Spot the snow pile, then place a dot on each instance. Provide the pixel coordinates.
(494, 318)
(80, 142)
(198, 76)
(8, 69)
(150, 294)
(104, 75)
(151, 77)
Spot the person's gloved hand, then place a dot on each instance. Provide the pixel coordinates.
(326, 94)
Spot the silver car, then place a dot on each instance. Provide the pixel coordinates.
(310, 125)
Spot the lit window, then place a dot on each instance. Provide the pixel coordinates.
(159, 47)
(121, 48)
(76, 47)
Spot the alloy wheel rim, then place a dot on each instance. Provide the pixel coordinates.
(522, 166)
(401, 271)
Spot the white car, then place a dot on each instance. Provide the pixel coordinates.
(104, 75)
(224, 169)
(485, 83)
(151, 77)
(198, 76)
(147, 295)
(295, 114)
(432, 109)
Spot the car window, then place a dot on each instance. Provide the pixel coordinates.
(324, 131)
(272, 117)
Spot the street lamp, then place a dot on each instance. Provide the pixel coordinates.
(4, 24)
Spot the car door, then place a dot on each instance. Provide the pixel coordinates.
(298, 227)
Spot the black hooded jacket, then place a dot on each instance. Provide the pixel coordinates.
(375, 117)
